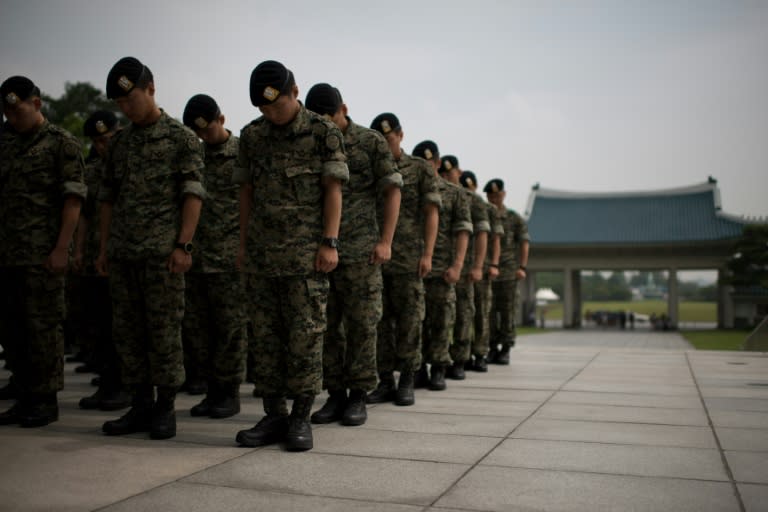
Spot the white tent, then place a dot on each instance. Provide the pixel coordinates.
(546, 294)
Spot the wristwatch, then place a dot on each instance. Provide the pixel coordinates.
(333, 243)
(186, 247)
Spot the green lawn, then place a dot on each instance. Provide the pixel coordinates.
(716, 339)
(688, 311)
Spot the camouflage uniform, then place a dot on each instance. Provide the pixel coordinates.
(354, 304)
(148, 172)
(214, 326)
(37, 171)
(483, 293)
(463, 332)
(287, 297)
(399, 337)
(505, 286)
(440, 296)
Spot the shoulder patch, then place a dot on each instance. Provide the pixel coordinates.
(333, 142)
(70, 149)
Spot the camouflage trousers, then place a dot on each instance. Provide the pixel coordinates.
(503, 330)
(464, 327)
(354, 312)
(147, 310)
(440, 299)
(483, 298)
(214, 327)
(399, 337)
(32, 313)
(288, 318)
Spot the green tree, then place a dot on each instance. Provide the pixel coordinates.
(80, 100)
(749, 263)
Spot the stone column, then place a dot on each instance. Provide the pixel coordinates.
(673, 299)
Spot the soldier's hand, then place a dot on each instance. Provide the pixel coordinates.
(520, 274)
(58, 260)
(77, 261)
(476, 274)
(452, 275)
(179, 261)
(493, 273)
(327, 258)
(381, 253)
(102, 265)
(425, 266)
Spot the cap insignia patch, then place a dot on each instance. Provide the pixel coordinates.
(101, 127)
(494, 187)
(385, 127)
(428, 154)
(201, 123)
(470, 182)
(11, 98)
(270, 93)
(447, 165)
(124, 83)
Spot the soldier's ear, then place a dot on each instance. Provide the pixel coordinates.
(151, 88)
(295, 91)
(37, 102)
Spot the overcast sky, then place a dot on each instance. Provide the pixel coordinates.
(575, 95)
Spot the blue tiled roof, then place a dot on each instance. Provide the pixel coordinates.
(667, 216)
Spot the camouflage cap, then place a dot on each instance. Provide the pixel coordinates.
(269, 80)
(99, 123)
(385, 123)
(323, 99)
(426, 149)
(201, 109)
(495, 185)
(448, 163)
(468, 180)
(17, 89)
(127, 74)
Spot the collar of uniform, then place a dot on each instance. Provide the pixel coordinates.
(226, 148)
(299, 124)
(352, 135)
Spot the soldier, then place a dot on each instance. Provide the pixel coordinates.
(453, 232)
(512, 266)
(472, 273)
(41, 192)
(399, 336)
(291, 167)
(151, 198)
(480, 343)
(100, 127)
(354, 302)
(214, 316)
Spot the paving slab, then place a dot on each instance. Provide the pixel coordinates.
(749, 467)
(690, 463)
(626, 399)
(401, 419)
(508, 489)
(743, 439)
(616, 433)
(755, 497)
(739, 419)
(737, 404)
(654, 415)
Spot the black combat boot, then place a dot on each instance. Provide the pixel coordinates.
(421, 379)
(384, 392)
(437, 378)
(333, 408)
(93, 401)
(14, 414)
(9, 391)
(137, 419)
(456, 371)
(271, 428)
(404, 395)
(163, 424)
(355, 413)
(204, 407)
(43, 408)
(228, 402)
(493, 353)
(503, 356)
(114, 400)
(299, 435)
(480, 364)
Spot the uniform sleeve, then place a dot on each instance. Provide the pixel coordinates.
(429, 189)
(480, 221)
(334, 161)
(522, 228)
(241, 175)
(384, 164)
(462, 216)
(72, 168)
(191, 165)
(497, 227)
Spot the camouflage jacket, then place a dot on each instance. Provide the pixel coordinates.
(94, 170)
(455, 216)
(148, 172)
(37, 172)
(480, 224)
(497, 228)
(371, 169)
(285, 165)
(515, 231)
(420, 187)
(218, 232)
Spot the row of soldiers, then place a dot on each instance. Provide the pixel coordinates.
(398, 281)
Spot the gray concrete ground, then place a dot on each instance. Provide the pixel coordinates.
(580, 421)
